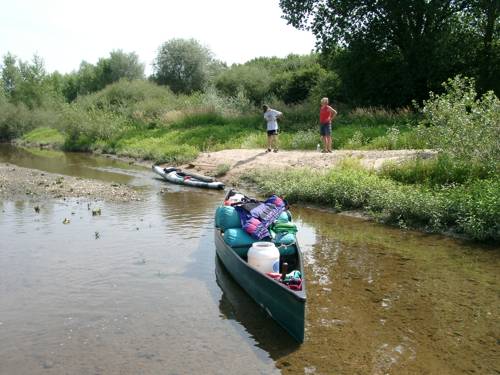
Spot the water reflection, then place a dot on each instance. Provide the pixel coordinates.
(74, 164)
(392, 301)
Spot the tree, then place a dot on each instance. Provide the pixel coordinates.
(253, 81)
(414, 32)
(485, 22)
(119, 65)
(10, 75)
(183, 65)
(26, 82)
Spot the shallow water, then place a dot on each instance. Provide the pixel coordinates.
(139, 290)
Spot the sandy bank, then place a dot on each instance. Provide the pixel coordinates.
(243, 160)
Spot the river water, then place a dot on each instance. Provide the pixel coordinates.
(139, 289)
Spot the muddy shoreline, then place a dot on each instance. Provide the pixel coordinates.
(18, 183)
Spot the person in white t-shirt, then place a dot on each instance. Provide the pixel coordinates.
(271, 116)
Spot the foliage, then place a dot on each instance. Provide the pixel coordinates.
(183, 65)
(119, 65)
(91, 78)
(222, 169)
(288, 79)
(295, 86)
(84, 128)
(253, 81)
(27, 82)
(434, 172)
(304, 140)
(462, 127)
(44, 136)
(471, 210)
(476, 207)
(328, 85)
(138, 99)
(390, 52)
(159, 149)
(15, 120)
(237, 104)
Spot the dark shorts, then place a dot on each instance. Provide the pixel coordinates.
(325, 129)
(272, 132)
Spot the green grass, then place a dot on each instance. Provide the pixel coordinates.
(434, 172)
(45, 136)
(471, 209)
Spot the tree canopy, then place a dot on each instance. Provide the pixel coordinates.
(410, 45)
(184, 65)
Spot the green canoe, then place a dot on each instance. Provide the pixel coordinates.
(284, 305)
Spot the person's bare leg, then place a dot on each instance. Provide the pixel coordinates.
(275, 142)
(269, 142)
(328, 141)
(323, 140)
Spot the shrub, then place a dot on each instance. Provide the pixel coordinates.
(222, 169)
(464, 128)
(252, 80)
(355, 142)
(83, 128)
(435, 172)
(472, 209)
(131, 97)
(304, 140)
(15, 120)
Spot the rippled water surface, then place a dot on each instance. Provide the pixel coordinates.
(139, 290)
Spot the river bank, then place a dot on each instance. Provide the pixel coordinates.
(237, 162)
(304, 177)
(18, 182)
(26, 183)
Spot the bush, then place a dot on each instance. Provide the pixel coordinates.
(305, 140)
(434, 172)
(253, 81)
(464, 128)
(140, 99)
(157, 149)
(15, 120)
(83, 128)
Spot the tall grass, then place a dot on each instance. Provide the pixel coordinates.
(434, 172)
(472, 209)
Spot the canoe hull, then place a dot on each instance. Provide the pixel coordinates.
(285, 306)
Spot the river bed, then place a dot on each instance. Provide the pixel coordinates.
(92, 286)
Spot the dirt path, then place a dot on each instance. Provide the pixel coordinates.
(242, 160)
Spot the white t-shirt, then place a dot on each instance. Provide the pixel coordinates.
(270, 116)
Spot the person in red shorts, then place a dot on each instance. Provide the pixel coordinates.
(326, 116)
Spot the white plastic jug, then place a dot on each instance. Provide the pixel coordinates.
(264, 256)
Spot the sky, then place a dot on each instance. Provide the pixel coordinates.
(64, 32)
